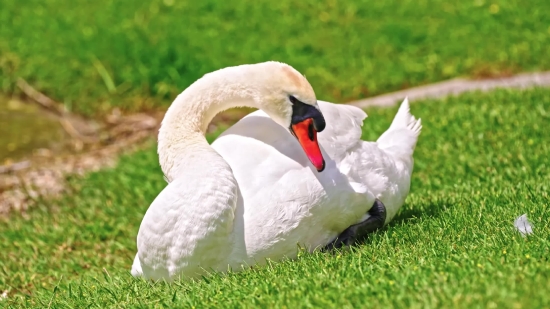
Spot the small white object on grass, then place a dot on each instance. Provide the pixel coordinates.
(4, 295)
(523, 225)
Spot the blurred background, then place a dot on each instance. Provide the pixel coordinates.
(99, 60)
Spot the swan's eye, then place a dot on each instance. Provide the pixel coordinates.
(293, 100)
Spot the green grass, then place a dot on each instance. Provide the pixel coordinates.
(137, 55)
(482, 160)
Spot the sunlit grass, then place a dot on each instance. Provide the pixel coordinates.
(482, 160)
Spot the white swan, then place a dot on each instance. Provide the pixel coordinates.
(257, 193)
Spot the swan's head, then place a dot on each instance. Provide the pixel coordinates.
(288, 98)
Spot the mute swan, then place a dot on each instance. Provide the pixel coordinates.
(256, 192)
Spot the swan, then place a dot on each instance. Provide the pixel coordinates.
(265, 186)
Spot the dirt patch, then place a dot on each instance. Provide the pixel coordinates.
(25, 129)
(60, 143)
(42, 143)
(36, 178)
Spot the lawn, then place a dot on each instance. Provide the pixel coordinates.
(482, 160)
(137, 55)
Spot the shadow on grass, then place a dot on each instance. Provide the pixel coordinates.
(409, 216)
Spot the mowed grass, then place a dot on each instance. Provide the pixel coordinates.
(138, 55)
(482, 160)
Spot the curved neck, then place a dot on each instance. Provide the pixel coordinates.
(181, 141)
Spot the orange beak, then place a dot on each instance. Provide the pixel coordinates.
(307, 136)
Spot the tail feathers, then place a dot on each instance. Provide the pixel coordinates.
(401, 137)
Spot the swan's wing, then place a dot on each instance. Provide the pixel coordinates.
(368, 166)
(285, 198)
(343, 129)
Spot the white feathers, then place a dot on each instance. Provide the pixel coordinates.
(400, 139)
(253, 194)
(523, 225)
(404, 119)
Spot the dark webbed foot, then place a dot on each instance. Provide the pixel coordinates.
(362, 229)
